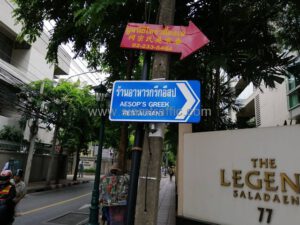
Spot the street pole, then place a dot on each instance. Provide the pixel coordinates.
(147, 203)
(94, 209)
(34, 128)
(136, 157)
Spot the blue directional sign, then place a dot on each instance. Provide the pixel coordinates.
(156, 101)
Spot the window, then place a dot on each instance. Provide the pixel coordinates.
(6, 47)
(293, 82)
(294, 86)
(294, 99)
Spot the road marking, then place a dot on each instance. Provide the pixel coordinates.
(52, 205)
(85, 206)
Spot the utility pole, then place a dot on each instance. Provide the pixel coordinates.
(52, 156)
(33, 134)
(34, 128)
(149, 182)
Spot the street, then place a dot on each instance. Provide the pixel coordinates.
(70, 205)
(44, 207)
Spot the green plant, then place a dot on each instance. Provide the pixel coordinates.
(11, 133)
(90, 170)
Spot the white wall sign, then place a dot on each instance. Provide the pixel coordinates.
(243, 177)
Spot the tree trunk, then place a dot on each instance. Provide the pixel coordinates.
(33, 134)
(34, 128)
(147, 201)
(123, 147)
(76, 164)
(122, 159)
(52, 155)
(59, 166)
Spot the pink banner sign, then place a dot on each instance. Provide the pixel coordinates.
(174, 39)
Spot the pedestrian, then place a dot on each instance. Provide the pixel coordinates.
(171, 173)
(81, 168)
(20, 188)
(113, 196)
(7, 195)
(165, 171)
(8, 165)
(105, 192)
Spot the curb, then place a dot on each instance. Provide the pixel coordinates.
(55, 186)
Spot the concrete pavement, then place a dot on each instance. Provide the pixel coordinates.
(166, 207)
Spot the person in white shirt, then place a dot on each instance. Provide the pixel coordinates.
(20, 188)
(81, 168)
(7, 165)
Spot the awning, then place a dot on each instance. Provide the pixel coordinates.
(9, 85)
(12, 75)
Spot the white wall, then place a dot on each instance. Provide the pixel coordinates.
(6, 19)
(274, 106)
(32, 61)
(64, 60)
(4, 121)
(182, 129)
(44, 135)
(27, 64)
(38, 64)
(206, 154)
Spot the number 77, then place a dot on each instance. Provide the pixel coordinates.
(261, 215)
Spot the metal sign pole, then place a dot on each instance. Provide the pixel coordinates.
(136, 156)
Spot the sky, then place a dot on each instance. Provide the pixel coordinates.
(78, 65)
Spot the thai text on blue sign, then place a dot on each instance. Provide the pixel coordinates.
(156, 101)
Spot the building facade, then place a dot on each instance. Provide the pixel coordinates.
(268, 107)
(24, 63)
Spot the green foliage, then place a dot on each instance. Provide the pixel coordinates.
(64, 106)
(246, 40)
(171, 143)
(86, 16)
(288, 24)
(79, 126)
(112, 133)
(90, 170)
(171, 159)
(170, 140)
(88, 24)
(31, 100)
(10, 133)
(243, 43)
(242, 38)
(242, 34)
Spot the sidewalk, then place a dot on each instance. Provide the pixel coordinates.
(166, 205)
(42, 186)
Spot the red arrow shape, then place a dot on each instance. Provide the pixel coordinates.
(153, 37)
(193, 40)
